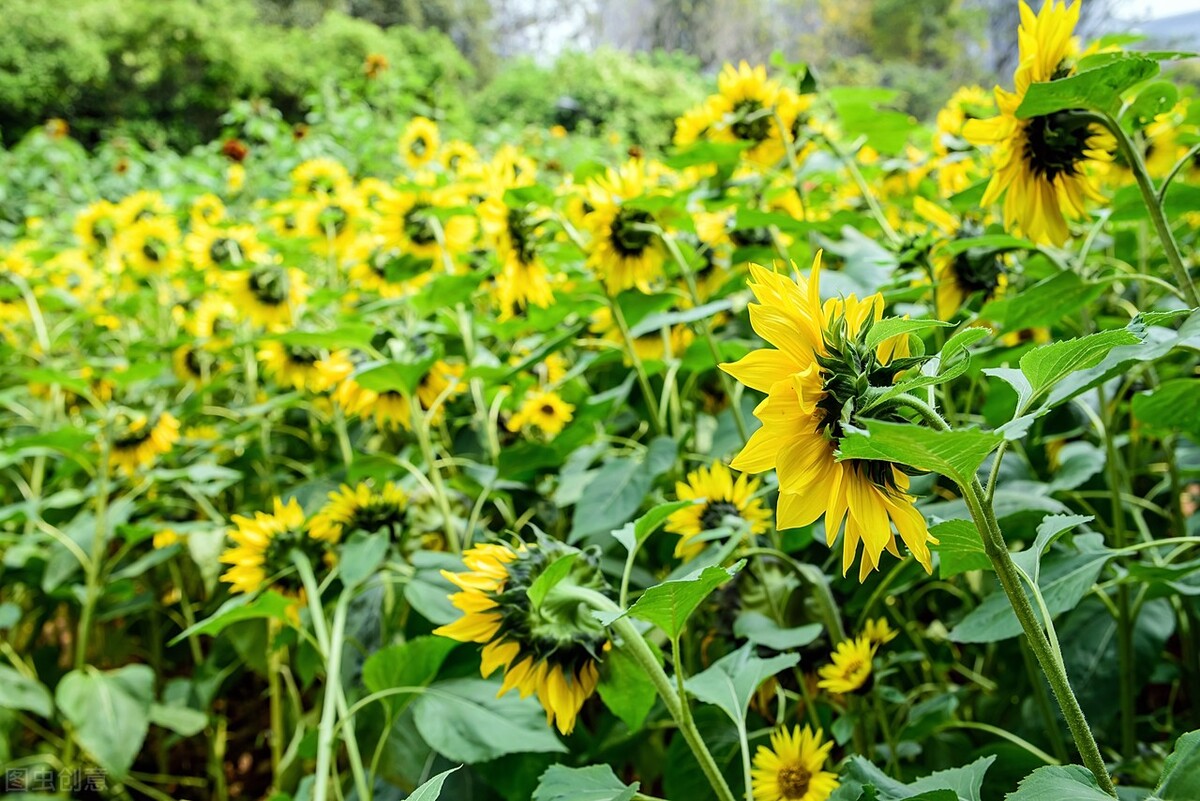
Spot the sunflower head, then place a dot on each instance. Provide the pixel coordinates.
(544, 411)
(548, 647)
(850, 668)
(262, 548)
(718, 496)
(793, 767)
(138, 439)
(361, 508)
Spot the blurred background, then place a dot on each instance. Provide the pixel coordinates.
(166, 73)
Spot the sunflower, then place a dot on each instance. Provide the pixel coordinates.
(150, 245)
(878, 632)
(962, 275)
(97, 224)
(263, 545)
(267, 294)
(235, 247)
(1042, 164)
(389, 409)
(792, 769)
(360, 507)
(419, 142)
(850, 668)
(624, 252)
(137, 441)
(651, 346)
(141, 205)
(443, 379)
(551, 648)
(957, 165)
(457, 155)
(722, 497)
(208, 209)
(386, 271)
(303, 367)
(331, 220)
(408, 223)
(193, 365)
(523, 278)
(814, 374)
(545, 411)
(320, 176)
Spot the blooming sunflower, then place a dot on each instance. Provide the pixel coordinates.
(407, 223)
(543, 410)
(212, 248)
(137, 441)
(389, 408)
(97, 224)
(443, 379)
(419, 142)
(850, 668)
(962, 275)
(551, 648)
(350, 509)
(150, 245)
(267, 294)
(624, 253)
(194, 366)
(1042, 164)
(263, 545)
(723, 497)
(811, 379)
(957, 165)
(752, 101)
(320, 176)
(792, 769)
(303, 367)
(523, 277)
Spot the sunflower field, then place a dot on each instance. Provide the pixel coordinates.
(821, 455)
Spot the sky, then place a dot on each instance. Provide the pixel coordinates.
(1156, 9)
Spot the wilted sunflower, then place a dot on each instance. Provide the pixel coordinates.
(552, 648)
(137, 441)
(624, 252)
(962, 275)
(793, 768)
(267, 294)
(263, 545)
(304, 367)
(1042, 163)
(545, 411)
(816, 371)
(850, 668)
(360, 507)
(722, 497)
(419, 142)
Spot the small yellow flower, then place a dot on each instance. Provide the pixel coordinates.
(545, 411)
(879, 632)
(722, 497)
(793, 768)
(851, 666)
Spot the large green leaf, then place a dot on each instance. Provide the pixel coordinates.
(1045, 366)
(610, 498)
(762, 630)
(626, 689)
(594, 783)
(958, 784)
(1050, 301)
(670, 604)
(731, 681)
(1171, 407)
(1050, 529)
(432, 789)
(269, 604)
(1181, 773)
(960, 548)
(954, 454)
(411, 664)
(109, 712)
(1059, 783)
(1098, 89)
(464, 721)
(22, 692)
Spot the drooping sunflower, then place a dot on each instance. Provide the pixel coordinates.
(624, 253)
(551, 648)
(419, 142)
(959, 276)
(1042, 164)
(816, 369)
(303, 367)
(543, 410)
(263, 545)
(722, 497)
(137, 441)
(267, 294)
(850, 668)
(793, 768)
(350, 509)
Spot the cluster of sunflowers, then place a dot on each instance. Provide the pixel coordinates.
(472, 385)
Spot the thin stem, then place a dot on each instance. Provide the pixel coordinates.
(333, 678)
(274, 669)
(420, 427)
(643, 378)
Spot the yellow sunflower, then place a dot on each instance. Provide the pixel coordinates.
(97, 224)
(137, 442)
(263, 545)
(623, 253)
(384, 270)
(878, 632)
(332, 220)
(543, 410)
(1042, 165)
(960, 276)
(651, 346)
(551, 648)
(419, 142)
(751, 103)
(407, 223)
(320, 176)
(193, 365)
(957, 165)
(850, 668)
(722, 497)
(360, 507)
(304, 368)
(208, 209)
(150, 246)
(523, 278)
(389, 409)
(793, 768)
(443, 379)
(213, 248)
(809, 379)
(457, 155)
(267, 294)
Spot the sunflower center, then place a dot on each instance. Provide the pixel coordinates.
(419, 146)
(1055, 144)
(521, 232)
(268, 287)
(222, 250)
(416, 225)
(303, 355)
(191, 361)
(793, 780)
(376, 515)
(629, 237)
(978, 272)
(103, 230)
(154, 249)
(751, 237)
(334, 218)
(751, 121)
(548, 409)
(714, 514)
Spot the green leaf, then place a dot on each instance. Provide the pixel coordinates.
(463, 720)
(21, 692)
(1181, 773)
(395, 376)
(554, 573)
(1098, 89)
(1050, 529)
(895, 326)
(182, 720)
(346, 335)
(109, 712)
(668, 605)
(1153, 99)
(762, 630)
(1170, 407)
(1059, 783)
(626, 689)
(731, 681)
(1045, 366)
(411, 664)
(860, 113)
(432, 789)
(960, 549)
(636, 533)
(269, 604)
(362, 555)
(954, 454)
(956, 784)
(1050, 301)
(654, 322)
(594, 783)
(610, 498)
(965, 782)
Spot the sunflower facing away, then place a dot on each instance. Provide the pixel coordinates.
(722, 497)
(350, 509)
(551, 649)
(850, 668)
(812, 380)
(137, 441)
(1041, 164)
(793, 768)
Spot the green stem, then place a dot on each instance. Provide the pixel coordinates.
(274, 687)
(421, 428)
(640, 369)
(333, 678)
